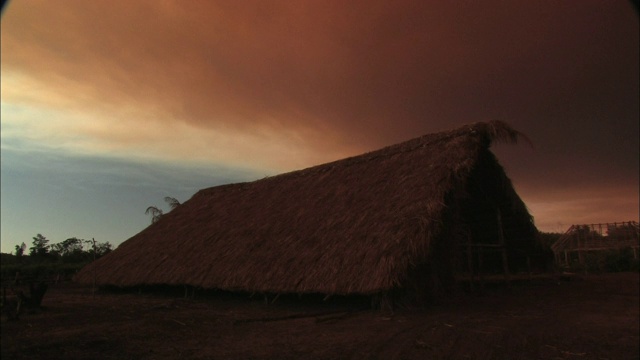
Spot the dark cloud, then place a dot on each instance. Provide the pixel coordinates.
(360, 74)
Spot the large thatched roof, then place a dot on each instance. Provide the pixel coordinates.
(352, 226)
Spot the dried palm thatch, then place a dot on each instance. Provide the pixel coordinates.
(358, 225)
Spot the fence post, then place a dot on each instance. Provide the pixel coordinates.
(505, 259)
(470, 265)
(93, 287)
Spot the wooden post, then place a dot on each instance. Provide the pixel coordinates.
(470, 264)
(580, 257)
(505, 264)
(480, 277)
(584, 263)
(581, 244)
(95, 275)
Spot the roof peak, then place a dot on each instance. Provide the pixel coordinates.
(486, 134)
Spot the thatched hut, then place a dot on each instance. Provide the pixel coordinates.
(398, 220)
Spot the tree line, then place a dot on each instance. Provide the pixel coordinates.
(70, 251)
(44, 259)
(75, 250)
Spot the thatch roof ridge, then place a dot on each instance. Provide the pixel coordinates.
(489, 132)
(486, 132)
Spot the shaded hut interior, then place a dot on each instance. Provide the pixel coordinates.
(486, 231)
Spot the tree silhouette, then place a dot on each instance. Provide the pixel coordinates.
(20, 251)
(155, 213)
(173, 202)
(102, 249)
(40, 247)
(70, 250)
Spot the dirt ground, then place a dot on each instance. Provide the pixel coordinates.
(593, 317)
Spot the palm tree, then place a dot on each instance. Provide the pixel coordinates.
(156, 213)
(173, 202)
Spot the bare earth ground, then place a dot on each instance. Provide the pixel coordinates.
(595, 317)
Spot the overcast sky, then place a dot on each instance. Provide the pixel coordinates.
(109, 106)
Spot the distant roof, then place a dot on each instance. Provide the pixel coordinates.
(603, 236)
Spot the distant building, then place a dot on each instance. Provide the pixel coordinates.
(580, 240)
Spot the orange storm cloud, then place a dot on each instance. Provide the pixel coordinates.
(289, 84)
